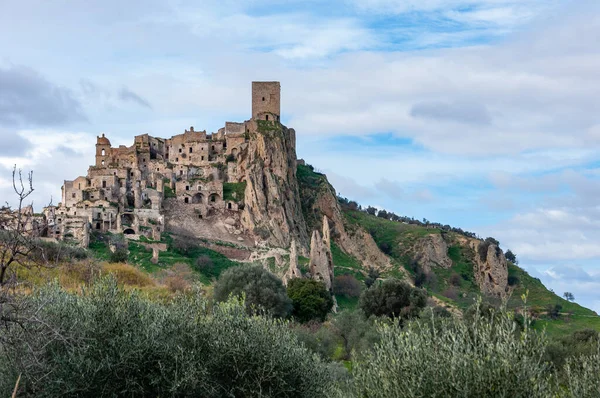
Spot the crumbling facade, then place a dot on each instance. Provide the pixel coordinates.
(195, 174)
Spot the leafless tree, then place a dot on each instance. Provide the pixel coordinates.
(17, 229)
(19, 246)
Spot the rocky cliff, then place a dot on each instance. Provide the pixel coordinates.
(318, 199)
(432, 251)
(489, 266)
(491, 270)
(272, 209)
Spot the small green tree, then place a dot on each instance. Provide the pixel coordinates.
(512, 257)
(262, 289)
(310, 299)
(569, 296)
(356, 332)
(393, 298)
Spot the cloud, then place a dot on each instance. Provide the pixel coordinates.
(54, 156)
(128, 95)
(349, 188)
(27, 99)
(397, 192)
(469, 113)
(13, 144)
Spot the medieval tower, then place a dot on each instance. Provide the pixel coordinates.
(266, 100)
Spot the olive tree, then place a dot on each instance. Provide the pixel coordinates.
(450, 357)
(108, 341)
(393, 298)
(310, 299)
(262, 289)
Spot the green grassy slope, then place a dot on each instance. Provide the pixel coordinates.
(141, 256)
(397, 239)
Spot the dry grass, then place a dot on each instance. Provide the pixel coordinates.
(128, 275)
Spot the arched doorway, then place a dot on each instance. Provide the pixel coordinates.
(197, 198)
(127, 219)
(129, 231)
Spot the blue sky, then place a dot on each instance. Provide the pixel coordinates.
(480, 114)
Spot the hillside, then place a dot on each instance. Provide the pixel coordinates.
(456, 284)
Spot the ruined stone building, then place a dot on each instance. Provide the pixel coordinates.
(187, 178)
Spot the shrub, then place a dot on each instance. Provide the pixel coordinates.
(129, 275)
(582, 375)
(176, 283)
(356, 332)
(120, 255)
(513, 280)
(455, 279)
(579, 343)
(205, 265)
(393, 298)
(451, 293)
(111, 342)
(262, 289)
(346, 285)
(310, 299)
(56, 252)
(449, 357)
(317, 338)
(372, 276)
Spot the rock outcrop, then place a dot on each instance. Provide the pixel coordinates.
(293, 270)
(490, 268)
(272, 209)
(356, 241)
(432, 251)
(321, 262)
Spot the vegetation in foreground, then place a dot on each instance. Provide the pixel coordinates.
(109, 341)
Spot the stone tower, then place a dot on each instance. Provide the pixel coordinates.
(266, 100)
(102, 151)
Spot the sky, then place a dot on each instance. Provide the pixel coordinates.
(479, 114)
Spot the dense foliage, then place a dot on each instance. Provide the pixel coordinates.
(110, 342)
(262, 290)
(393, 298)
(310, 299)
(447, 357)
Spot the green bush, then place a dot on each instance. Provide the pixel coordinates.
(52, 252)
(310, 299)
(583, 375)
(262, 289)
(120, 255)
(393, 298)
(357, 333)
(449, 357)
(110, 342)
(346, 285)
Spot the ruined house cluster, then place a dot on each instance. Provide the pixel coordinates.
(125, 190)
(236, 184)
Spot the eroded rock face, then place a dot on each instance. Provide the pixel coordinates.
(432, 251)
(272, 207)
(321, 263)
(358, 243)
(293, 270)
(490, 269)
